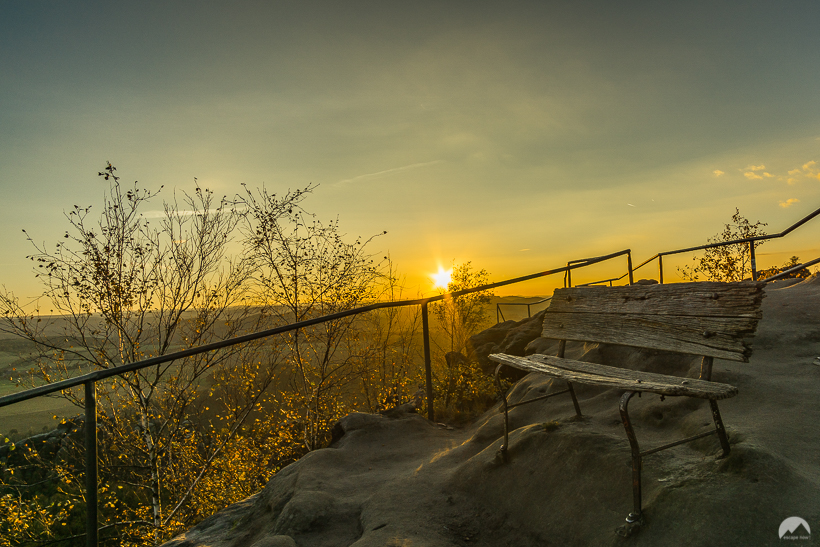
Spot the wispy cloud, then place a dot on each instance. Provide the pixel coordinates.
(792, 176)
(389, 171)
(751, 172)
(718, 172)
(789, 202)
(807, 170)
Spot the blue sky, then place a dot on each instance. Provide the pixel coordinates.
(517, 135)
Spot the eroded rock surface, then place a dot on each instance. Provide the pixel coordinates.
(404, 481)
(509, 337)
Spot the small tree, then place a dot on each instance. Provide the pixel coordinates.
(390, 355)
(727, 262)
(461, 387)
(121, 288)
(179, 441)
(460, 317)
(791, 263)
(305, 269)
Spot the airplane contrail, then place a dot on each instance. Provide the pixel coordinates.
(393, 170)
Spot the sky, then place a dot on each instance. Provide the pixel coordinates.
(515, 135)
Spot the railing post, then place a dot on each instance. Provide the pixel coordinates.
(428, 369)
(752, 254)
(660, 269)
(91, 463)
(629, 266)
(568, 277)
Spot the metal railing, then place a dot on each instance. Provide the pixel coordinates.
(749, 240)
(793, 269)
(571, 265)
(89, 380)
(499, 315)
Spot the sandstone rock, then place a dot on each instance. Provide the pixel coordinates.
(352, 422)
(408, 482)
(405, 409)
(511, 337)
(362, 420)
(543, 346)
(455, 359)
(275, 541)
(302, 511)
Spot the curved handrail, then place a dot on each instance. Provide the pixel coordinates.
(660, 255)
(784, 273)
(498, 305)
(153, 361)
(89, 380)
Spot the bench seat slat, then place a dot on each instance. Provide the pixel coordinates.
(711, 299)
(603, 375)
(711, 336)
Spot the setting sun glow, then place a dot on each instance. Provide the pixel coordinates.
(442, 278)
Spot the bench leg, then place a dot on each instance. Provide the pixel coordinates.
(721, 431)
(562, 345)
(503, 450)
(574, 400)
(636, 516)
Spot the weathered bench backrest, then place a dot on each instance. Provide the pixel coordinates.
(708, 319)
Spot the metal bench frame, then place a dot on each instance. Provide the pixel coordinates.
(740, 320)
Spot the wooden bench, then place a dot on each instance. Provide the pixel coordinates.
(706, 319)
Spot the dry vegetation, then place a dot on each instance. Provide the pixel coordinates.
(179, 441)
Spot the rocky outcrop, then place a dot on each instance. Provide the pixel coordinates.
(359, 491)
(390, 482)
(510, 337)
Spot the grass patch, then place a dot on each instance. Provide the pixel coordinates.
(551, 426)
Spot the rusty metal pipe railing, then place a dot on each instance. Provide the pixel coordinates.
(428, 364)
(90, 379)
(91, 519)
(784, 273)
(131, 367)
(629, 273)
(749, 240)
(500, 315)
(572, 264)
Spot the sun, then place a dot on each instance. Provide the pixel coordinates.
(442, 278)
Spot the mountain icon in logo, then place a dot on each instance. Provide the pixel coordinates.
(791, 524)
